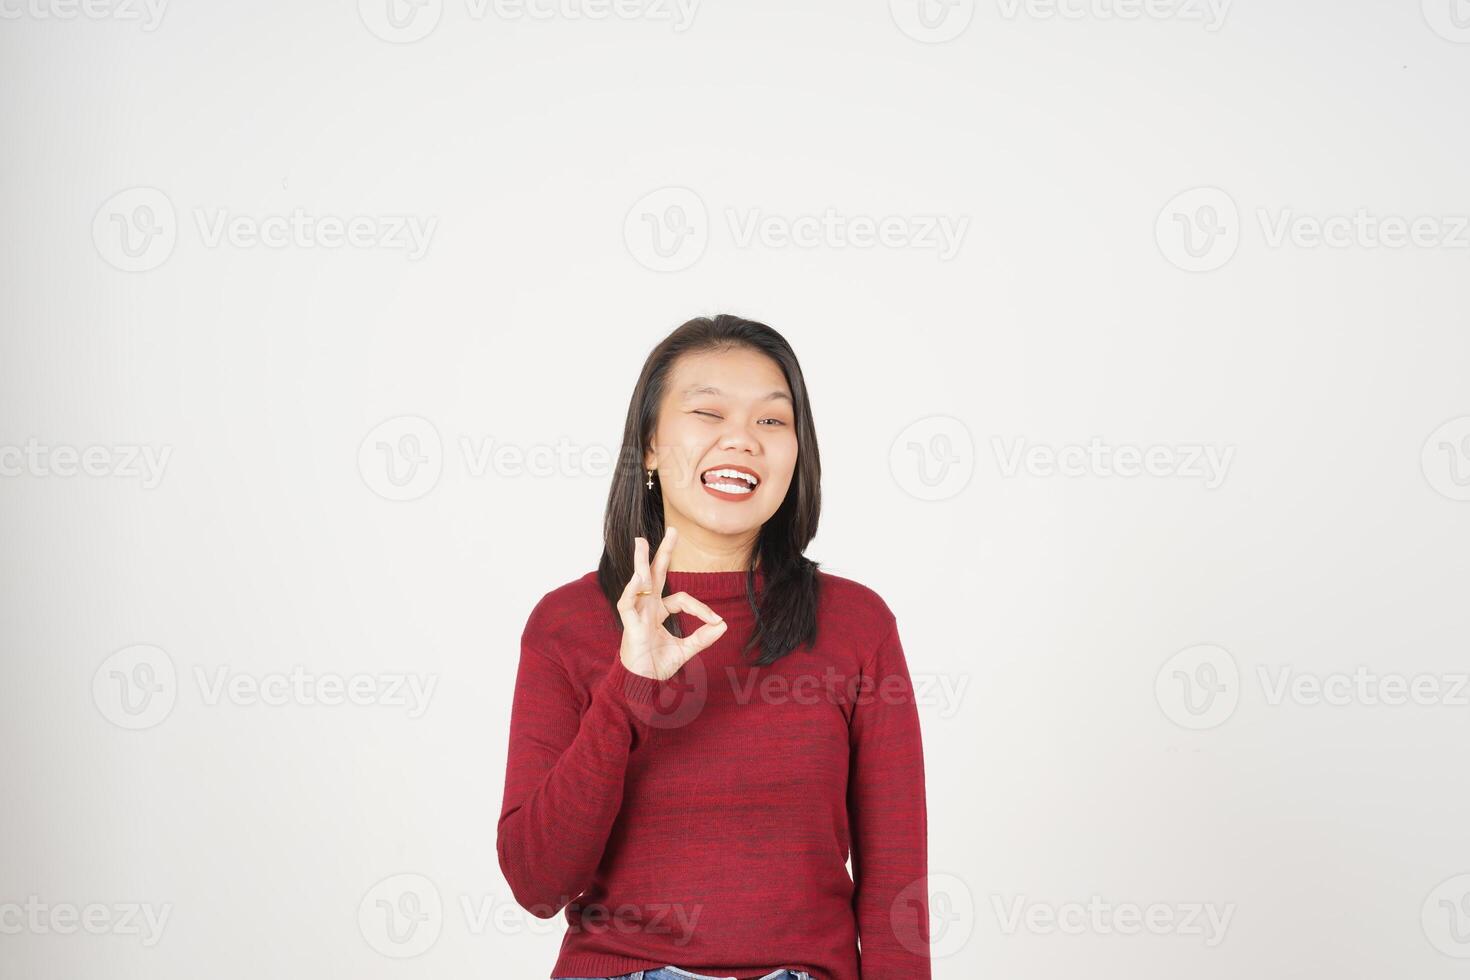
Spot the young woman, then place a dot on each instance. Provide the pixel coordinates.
(699, 741)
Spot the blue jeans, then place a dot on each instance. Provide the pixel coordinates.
(674, 973)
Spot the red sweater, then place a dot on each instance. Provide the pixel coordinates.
(705, 821)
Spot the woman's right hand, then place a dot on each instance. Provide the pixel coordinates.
(649, 649)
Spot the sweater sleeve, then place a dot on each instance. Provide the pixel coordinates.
(564, 772)
(888, 816)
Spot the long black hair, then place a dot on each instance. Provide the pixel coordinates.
(786, 609)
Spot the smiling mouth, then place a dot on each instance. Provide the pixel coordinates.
(731, 481)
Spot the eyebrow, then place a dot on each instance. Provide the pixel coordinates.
(693, 390)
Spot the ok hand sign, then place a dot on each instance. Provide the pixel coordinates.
(649, 649)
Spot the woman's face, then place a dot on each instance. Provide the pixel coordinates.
(723, 410)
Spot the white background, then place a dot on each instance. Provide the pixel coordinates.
(1332, 377)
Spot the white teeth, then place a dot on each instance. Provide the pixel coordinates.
(746, 487)
(730, 481)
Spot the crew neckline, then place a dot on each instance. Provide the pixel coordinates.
(711, 585)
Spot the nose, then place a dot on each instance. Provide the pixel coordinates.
(738, 436)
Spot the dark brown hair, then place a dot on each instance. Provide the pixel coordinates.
(786, 609)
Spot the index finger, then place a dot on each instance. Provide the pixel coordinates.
(640, 561)
(662, 559)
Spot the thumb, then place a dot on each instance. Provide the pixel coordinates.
(702, 638)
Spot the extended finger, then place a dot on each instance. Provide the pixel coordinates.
(628, 601)
(640, 561)
(662, 559)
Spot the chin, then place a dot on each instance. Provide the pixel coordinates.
(725, 524)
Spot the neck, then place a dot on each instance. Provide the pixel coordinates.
(698, 550)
